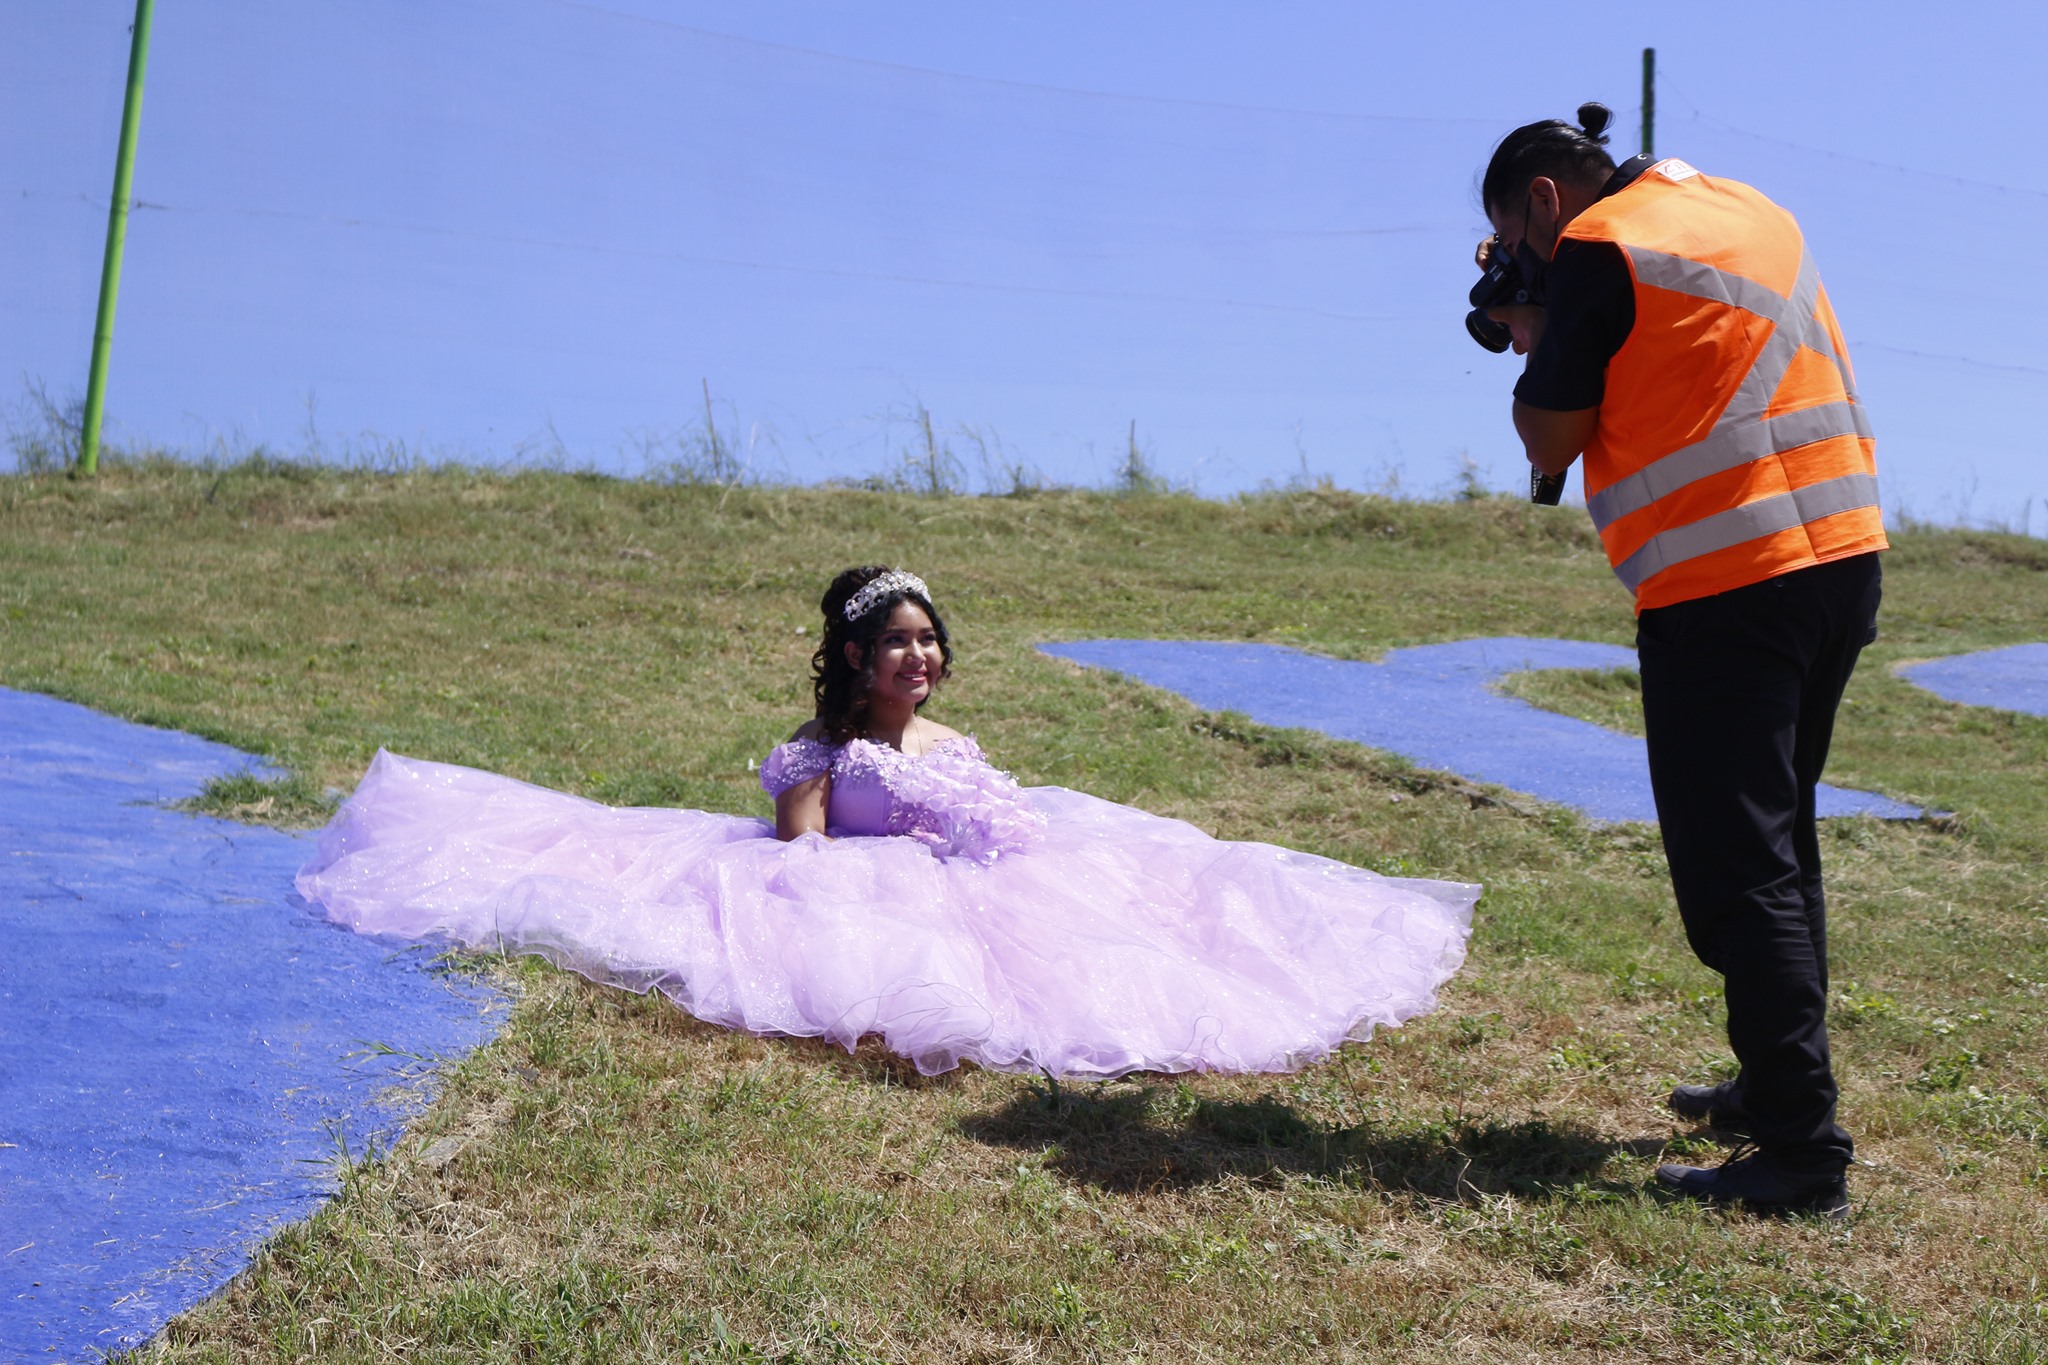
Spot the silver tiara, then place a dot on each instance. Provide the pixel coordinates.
(875, 589)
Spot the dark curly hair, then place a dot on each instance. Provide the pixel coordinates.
(841, 690)
(1551, 148)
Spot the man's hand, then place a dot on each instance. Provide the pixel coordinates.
(1524, 322)
(1552, 440)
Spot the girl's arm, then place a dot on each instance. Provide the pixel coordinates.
(801, 809)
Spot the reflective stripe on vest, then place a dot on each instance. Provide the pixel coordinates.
(1747, 522)
(1742, 434)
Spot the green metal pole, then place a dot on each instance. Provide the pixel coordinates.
(117, 236)
(1649, 101)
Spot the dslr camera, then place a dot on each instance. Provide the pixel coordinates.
(1501, 282)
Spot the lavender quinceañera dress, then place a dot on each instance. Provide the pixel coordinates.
(955, 914)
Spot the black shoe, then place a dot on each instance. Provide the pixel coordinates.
(1720, 1105)
(1763, 1183)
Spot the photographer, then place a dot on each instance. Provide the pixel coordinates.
(1678, 337)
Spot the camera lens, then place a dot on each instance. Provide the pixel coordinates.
(1494, 336)
(1499, 282)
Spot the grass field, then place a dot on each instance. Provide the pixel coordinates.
(632, 1185)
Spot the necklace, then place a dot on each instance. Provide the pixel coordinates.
(903, 741)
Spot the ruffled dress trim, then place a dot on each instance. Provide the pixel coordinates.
(949, 798)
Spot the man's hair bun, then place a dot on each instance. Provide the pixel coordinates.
(1549, 147)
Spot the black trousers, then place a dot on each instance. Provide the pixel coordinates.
(1739, 699)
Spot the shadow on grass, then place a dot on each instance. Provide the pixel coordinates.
(875, 1064)
(1163, 1138)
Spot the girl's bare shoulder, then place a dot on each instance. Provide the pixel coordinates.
(932, 732)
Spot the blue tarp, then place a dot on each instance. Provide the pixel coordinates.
(2012, 679)
(185, 1047)
(1432, 705)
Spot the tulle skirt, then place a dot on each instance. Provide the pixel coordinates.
(1120, 941)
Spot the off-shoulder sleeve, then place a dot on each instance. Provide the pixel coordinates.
(800, 760)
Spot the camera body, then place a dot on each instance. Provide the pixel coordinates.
(1500, 283)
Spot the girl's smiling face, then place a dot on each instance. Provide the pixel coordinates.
(907, 659)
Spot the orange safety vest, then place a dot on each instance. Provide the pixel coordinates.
(1731, 445)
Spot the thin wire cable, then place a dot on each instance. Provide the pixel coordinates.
(908, 69)
(643, 253)
(99, 203)
(1953, 359)
(1702, 116)
(1230, 237)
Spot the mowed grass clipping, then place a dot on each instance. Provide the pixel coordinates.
(612, 1181)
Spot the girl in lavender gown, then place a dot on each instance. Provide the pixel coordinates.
(907, 889)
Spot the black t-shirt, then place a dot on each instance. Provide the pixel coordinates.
(1591, 301)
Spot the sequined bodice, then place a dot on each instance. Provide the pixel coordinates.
(949, 797)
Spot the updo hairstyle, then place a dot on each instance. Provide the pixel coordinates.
(840, 689)
(1550, 148)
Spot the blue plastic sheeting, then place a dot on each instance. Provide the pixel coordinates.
(1433, 706)
(185, 1048)
(2012, 679)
